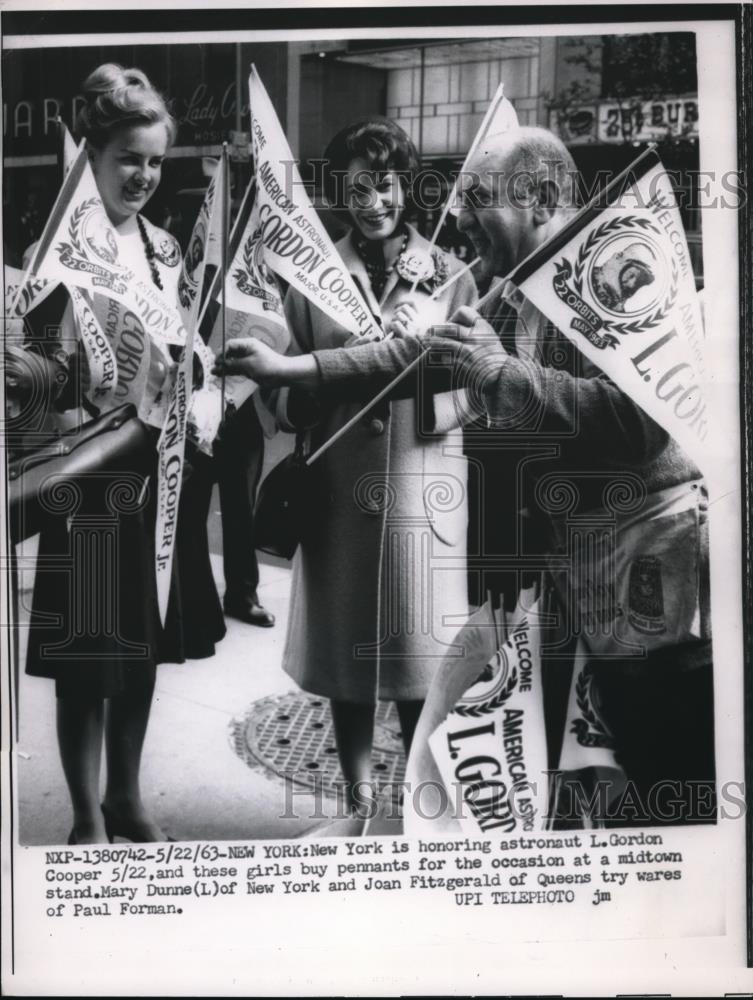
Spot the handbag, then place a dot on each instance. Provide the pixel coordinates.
(117, 441)
(283, 505)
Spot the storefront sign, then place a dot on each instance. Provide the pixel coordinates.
(631, 120)
(41, 85)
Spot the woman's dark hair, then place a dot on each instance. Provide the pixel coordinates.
(381, 143)
(116, 96)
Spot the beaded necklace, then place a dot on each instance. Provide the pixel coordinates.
(371, 253)
(149, 251)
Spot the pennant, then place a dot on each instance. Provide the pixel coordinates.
(491, 749)
(26, 295)
(133, 350)
(79, 248)
(141, 326)
(296, 244)
(254, 305)
(500, 117)
(78, 245)
(587, 742)
(173, 438)
(103, 368)
(67, 147)
(618, 281)
(203, 249)
(118, 314)
(503, 119)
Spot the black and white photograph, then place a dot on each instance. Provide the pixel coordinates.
(375, 551)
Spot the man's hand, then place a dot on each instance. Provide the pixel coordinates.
(474, 345)
(470, 339)
(471, 327)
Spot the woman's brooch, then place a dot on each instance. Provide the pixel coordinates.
(416, 265)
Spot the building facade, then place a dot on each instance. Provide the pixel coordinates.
(607, 96)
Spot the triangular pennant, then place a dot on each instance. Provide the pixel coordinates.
(173, 438)
(67, 146)
(500, 117)
(100, 356)
(296, 243)
(491, 749)
(78, 245)
(618, 281)
(254, 305)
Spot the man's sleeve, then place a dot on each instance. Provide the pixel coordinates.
(294, 409)
(361, 372)
(589, 413)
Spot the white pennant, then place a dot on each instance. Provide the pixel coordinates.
(619, 283)
(254, 305)
(491, 749)
(69, 149)
(173, 438)
(100, 357)
(78, 246)
(296, 244)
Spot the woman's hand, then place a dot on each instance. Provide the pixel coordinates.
(252, 358)
(405, 321)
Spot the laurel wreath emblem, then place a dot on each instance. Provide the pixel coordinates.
(609, 228)
(589, 729)
(486, 707)
(74, 227)
(240, 274)
(249, 252)
(186, 293)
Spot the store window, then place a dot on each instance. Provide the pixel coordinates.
(439, 96)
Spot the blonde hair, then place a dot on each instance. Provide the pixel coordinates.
(116, 96)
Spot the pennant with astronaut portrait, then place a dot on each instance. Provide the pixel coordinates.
(618, 281)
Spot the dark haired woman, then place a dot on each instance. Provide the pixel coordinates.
(384, 562)
(105, 678)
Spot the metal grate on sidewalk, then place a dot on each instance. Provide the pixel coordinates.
(291, 735)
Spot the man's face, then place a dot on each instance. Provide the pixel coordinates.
(497, 214)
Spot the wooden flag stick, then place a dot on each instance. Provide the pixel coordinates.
(234, 233)
(24, 280)
(61, 144)
(497, 636)
(451, 281)
(571, 227)
(354, 420)
(579, 219)
(225, 166)
(387, 389)
(53, 219)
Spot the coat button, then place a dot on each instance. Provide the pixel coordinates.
(376, 426)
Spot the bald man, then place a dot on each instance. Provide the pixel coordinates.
(552, 417)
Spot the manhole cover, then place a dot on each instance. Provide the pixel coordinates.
(291, 735)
